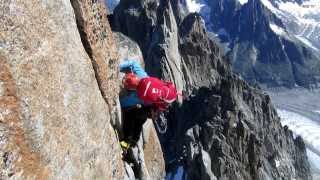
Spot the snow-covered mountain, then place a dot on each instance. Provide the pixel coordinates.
(301, 18)
(274, 42)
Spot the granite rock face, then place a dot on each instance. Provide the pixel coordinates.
(136, 19)
(97, 39)
(128, 49)
(163, 58)
(224, 129)
(55, 106)
(59, 102)
(148, 162)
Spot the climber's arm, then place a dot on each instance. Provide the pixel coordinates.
(133, 66)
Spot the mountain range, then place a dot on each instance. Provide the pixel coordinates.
(270, 42)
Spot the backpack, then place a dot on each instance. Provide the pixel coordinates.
(157, 92)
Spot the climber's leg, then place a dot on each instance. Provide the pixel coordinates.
(134, 119)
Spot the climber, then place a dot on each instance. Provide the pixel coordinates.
(146, 97)
(151, 90)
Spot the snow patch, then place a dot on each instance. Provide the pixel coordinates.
(306, 42)
(268, 5)
(317, 112)
(277, 163)
(308, 7)
(254, 55)
(242, 2)
(194, 6)
(278, 30)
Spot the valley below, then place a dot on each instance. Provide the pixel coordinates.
(299, 109)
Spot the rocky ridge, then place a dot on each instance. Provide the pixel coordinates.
(225, 129)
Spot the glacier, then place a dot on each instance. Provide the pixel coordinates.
(314, 158)
(309, 130)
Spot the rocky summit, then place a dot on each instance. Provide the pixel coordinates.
(60, 116)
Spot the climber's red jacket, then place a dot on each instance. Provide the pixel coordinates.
(154, 91)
